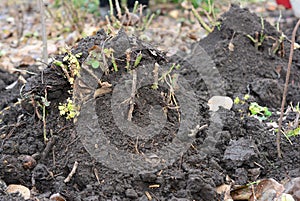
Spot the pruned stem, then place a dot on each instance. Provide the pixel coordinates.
(133, 91)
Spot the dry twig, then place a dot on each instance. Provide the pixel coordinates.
(286, 89)
(68, 178)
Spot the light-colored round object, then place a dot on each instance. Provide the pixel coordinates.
(57, 197)
(219, 101)
(23, 190)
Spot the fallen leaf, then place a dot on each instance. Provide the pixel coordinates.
(6, 65)
(285, 197)
(27, 60)
(224, 190)
(174, 13)
(266, 189)
(293, 188)
(241, 192)
(231, 47)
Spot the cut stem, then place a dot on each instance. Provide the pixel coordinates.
(133, 91)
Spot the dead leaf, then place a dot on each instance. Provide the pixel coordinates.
(267, 188)
(105, 84)
(6, 65)
(192, 36)
(224, 190)
(285, 197)
(293, 188)
(174, 13)
(231, 47)
(27, 60)
(241, 192)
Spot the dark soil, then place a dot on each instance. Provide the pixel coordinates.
(242, 145)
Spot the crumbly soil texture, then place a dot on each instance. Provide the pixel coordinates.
(234, 144)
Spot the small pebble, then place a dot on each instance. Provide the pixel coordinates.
(130, 193)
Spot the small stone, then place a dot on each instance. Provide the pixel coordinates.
(24, 191)
(219, 101)
(3, 185)
(28, 162)
(130, 193)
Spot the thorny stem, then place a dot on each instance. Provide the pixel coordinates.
(285, 89)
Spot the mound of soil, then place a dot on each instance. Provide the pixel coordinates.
(242, 148)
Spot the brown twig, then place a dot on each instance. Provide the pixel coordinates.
(44, 105)
(285, 89)
(136, 146)
(73, 171)
(97, 175)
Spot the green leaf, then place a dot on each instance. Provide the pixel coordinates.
(237, 100)
(267, 112)
(78, 55)
(138, 59)
(95, 63)
(294, 132)
(196, 3)
(255, 108)
(246, 97)
(58, 63)
(66, 58)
